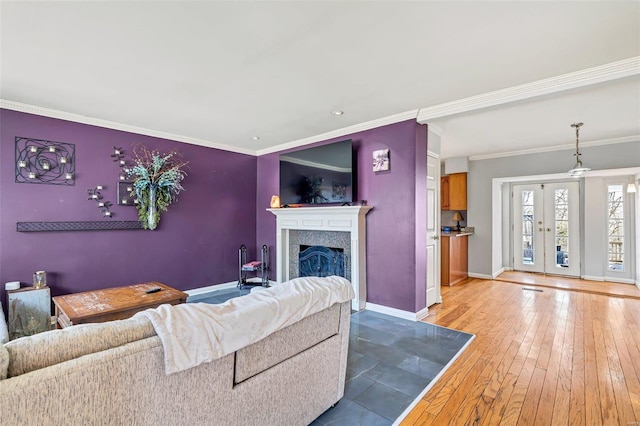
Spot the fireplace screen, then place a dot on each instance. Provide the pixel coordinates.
(320, 261)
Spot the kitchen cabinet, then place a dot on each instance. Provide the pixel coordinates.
(454, 258)
(453, 192)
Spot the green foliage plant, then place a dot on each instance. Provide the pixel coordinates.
(157, 181)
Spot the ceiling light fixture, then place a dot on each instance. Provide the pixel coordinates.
(578, 170)
(337, 112)
(255, 138)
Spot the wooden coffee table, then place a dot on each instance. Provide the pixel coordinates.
(113, 303)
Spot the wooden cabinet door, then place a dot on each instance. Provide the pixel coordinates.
(454, 260)
(457, 191)
(444, 193)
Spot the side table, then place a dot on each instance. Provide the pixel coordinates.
(29, 311)
(113, 303)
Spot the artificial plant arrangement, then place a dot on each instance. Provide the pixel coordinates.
(156, 183)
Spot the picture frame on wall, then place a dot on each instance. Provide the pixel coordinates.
(381, 161)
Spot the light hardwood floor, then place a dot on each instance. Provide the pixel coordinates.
(574, 284)
(550, 357)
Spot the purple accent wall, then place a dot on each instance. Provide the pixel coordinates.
(396, 227)
(195, 245)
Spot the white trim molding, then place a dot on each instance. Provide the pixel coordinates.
(613, 141)
(600, 74)
(92, 121)
(592, 278)
(367, 125)
(208, 289)
(481, 276)
(398, 313)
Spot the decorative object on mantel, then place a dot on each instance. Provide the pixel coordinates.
(41, 161)
(275, 202)
(78, 226)
(381, 160)
(103, 206)
(156, 183)
(578, 169)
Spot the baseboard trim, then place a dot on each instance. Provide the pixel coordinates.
(480, 276)
(592, 278)
(224, 286)
(498, 272)
(398, 313)
(609, 279)
(210, 288)
(423, 313)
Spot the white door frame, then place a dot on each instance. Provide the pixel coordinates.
(500, 220)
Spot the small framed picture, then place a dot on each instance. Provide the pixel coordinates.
(124, 191)
(381, 160)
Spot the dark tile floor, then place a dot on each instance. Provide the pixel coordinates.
(391, 361)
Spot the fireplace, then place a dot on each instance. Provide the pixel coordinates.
(341, 229)
(299, 239)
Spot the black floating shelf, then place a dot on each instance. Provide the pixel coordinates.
(78, 226)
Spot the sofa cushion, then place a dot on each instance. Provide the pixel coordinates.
(4, 362)
(53, 347)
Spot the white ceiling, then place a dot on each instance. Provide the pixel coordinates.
(219, 73)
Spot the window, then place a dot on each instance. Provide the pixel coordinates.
(615, 226)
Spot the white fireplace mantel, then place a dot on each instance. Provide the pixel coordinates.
(335, 218)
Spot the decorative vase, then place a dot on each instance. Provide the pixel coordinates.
(152, 217)
(40, 279)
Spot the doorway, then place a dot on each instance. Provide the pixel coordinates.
(546, 228)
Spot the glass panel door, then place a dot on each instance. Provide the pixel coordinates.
(561, 218)
(528, 232)
(546, 228)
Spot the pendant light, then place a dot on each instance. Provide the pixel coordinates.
(578, 170)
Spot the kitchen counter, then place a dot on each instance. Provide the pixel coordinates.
(455, 234)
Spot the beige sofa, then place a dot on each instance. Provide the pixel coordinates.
(113, 374)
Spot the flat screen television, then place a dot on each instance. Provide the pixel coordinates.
(318, 175)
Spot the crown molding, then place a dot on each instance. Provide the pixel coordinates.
(613, 141)
(435, 129)
(589, 76)
(367, 125)
(83, 119)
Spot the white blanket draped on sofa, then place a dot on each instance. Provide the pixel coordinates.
(195, 333)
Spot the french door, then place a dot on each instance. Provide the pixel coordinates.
(546, 229)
